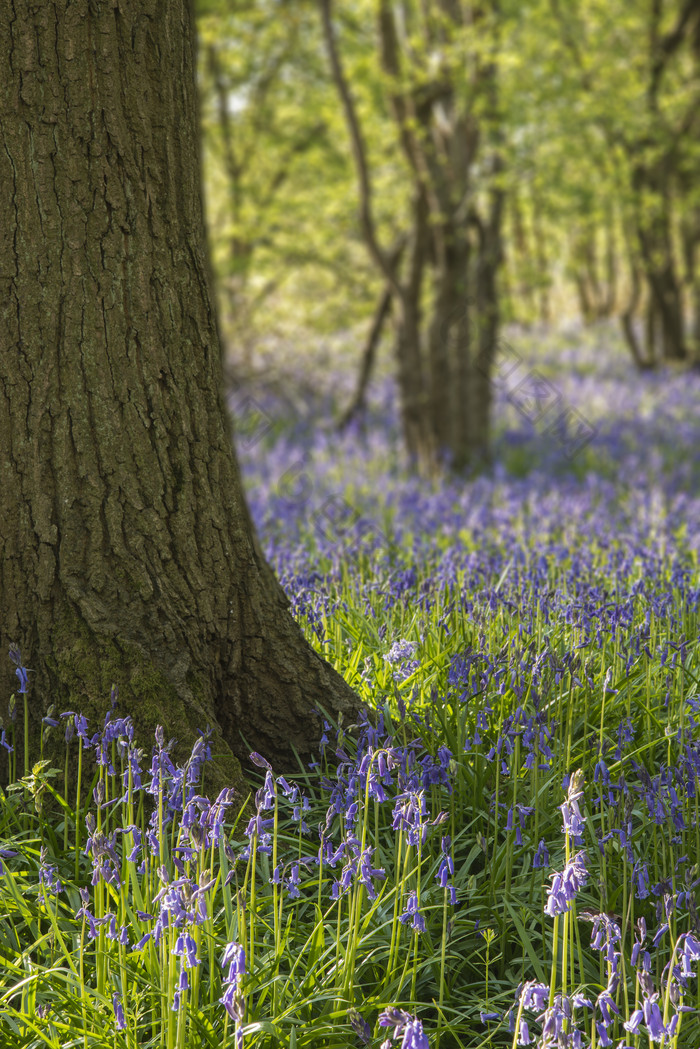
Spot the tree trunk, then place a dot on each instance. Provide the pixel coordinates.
(542, 260)
(627, 320)
(608, 303)
(522, 253)
(449, 346)
(690, 243)
(651, 329)
(656, 243)
(414, 398)
(444, 314)
(489, 259)
(127, 554)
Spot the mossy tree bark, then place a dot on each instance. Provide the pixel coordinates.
(127, 554)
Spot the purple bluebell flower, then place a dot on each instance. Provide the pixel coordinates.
(232, 1002)
(48, 873)
(21, 673)
(412, 913)
(535, 996)
(367, 872)
(574, 822)
(524, 1037)
(118, 1011)
(293, 882)
(232, 998)
(635, 1021)
(604, 1039)
(690, 953)
(566, 885)
(410, 1026)
(400, 656)
(445, 870)
(485, 1017)
(5, 854)
(81, 725)
(653, 1019)
(49, 720)
(106, 863)
(607, 1008)
(260, 761)
(234, 957)
(360, 1026)
(410, 814)
(659, 934)
(541, 857)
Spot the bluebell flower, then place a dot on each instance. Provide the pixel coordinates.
(367, 872)
(566, 885)
(635, 1021)
(412, 913)
(410, 814)
(410, 1026)
(118, 1011)
(293, 881)
(48, 873)
(186, 948)
(541, 857)
(360, 1026)
(234, 957)
(607, 1008)
(49, 720)
(232, 1002)
(604, 1039)
(654, 1020)
(524, 1037)
(660, 933)
(485, 1017)
(535, 996)
(690, 953)
(574, 822)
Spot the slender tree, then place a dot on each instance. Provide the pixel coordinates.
(127, 554)
(441, 89)
(656, 141)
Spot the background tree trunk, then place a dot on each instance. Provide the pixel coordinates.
(656, 249)
(127, 554)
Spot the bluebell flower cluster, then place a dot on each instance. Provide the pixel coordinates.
(401, 656)
(232, 999)
(408, 1028)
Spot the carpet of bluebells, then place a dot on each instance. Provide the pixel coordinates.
(505, 849)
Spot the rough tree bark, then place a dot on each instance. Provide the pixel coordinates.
(127, 554)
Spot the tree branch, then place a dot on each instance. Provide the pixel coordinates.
(359, 151)
(282, 173)
(370, 351)
(667, 45)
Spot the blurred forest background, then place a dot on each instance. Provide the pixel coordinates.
(422, 174)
